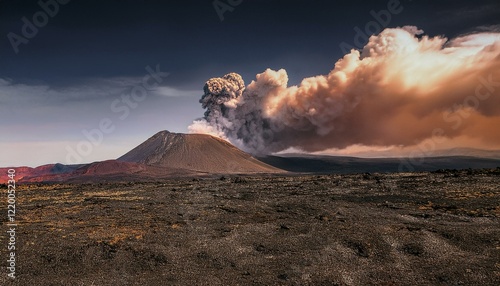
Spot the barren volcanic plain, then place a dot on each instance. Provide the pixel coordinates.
(427, 228)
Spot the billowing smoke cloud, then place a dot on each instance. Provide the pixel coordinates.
(400, 89)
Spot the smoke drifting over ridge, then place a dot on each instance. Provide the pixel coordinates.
(400, 90)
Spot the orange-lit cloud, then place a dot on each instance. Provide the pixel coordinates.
(403, 88)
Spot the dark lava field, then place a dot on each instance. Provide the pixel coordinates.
(439, 228)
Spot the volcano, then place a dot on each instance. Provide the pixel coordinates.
(164, 155)
(195, 152)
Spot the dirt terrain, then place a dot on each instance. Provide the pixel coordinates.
(440, 228)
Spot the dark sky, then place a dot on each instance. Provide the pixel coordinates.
(117, 38)
(63, 80)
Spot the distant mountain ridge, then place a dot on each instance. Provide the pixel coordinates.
(167, 155)
(471, 152)
(308, 163)
(467, 152)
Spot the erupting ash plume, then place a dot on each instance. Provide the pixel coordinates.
(395, 92)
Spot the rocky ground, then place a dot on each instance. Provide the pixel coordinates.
(440, 228)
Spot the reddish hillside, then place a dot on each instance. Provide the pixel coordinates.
(50, 172)
(110, 167)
